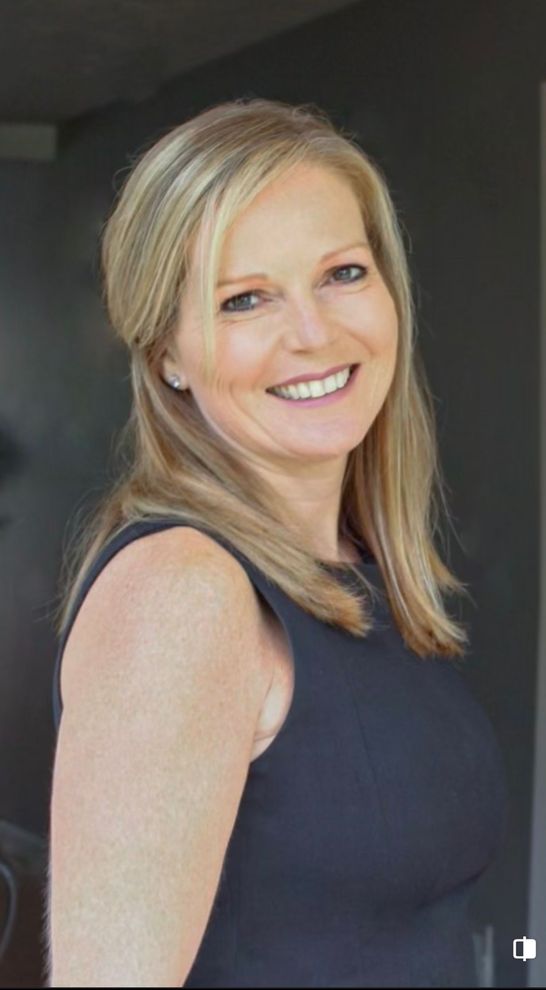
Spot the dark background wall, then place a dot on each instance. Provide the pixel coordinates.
(445, 98)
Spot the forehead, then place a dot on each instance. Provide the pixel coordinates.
(309, 211)
(306, 195)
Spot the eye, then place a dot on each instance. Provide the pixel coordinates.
(233, 299)
(346, 268)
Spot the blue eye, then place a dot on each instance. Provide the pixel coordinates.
(245, 295)
(346, 268)
(242, 295)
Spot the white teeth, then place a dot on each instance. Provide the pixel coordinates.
(314, 389)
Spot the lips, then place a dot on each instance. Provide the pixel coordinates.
(314, 376)
(327, 398)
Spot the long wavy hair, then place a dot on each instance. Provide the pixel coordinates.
(195, 180)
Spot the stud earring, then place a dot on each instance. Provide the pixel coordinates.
(174, 381)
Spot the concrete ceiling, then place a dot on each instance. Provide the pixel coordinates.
(63, 58)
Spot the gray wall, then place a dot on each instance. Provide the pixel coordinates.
(445, 97)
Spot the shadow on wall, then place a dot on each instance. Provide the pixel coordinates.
(11, 462)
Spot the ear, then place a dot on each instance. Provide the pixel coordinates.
(170, 369)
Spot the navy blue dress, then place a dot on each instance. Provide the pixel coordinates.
(365, 825)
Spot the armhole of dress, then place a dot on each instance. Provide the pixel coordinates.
(278, 739)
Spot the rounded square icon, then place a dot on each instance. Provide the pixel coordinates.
(528, 948)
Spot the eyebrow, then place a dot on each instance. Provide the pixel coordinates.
(325, 257)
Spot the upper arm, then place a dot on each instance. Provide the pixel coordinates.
(163, 685)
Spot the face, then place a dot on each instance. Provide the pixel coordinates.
(299, 294)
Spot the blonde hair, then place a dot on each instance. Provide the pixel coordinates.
(194, 180)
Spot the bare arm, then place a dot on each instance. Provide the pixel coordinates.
(163, 685)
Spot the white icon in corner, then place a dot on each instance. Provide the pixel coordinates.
(528, 948)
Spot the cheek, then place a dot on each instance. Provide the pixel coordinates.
(382, 327)
(244, 356)
(391, 335)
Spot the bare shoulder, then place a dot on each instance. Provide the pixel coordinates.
(175, 582)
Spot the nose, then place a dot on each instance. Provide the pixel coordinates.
(310, 326)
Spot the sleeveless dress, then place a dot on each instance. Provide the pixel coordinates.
(365, 825)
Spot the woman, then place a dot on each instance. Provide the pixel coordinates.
(268, 771)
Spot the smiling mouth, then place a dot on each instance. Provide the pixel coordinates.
(318, 399)
(303, 381)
